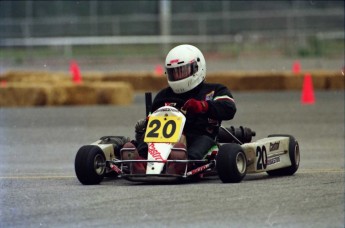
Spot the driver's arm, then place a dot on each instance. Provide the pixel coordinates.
(223, 106)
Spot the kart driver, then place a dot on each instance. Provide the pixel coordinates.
(206, 104)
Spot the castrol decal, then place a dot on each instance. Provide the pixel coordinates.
(154, 152)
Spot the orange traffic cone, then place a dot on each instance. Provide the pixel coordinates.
(308, 96)
(75, 71)
(159, 70)
(3, 83)
(296, 67)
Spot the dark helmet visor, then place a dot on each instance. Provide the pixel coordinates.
(182, 72)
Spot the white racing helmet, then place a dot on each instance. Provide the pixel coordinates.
(185, 67)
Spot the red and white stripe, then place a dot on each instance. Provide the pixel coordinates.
(224, 97)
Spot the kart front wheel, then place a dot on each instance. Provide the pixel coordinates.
(231, 163)
(90, 165)
(294, 155)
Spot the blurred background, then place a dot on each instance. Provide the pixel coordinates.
(136, 35)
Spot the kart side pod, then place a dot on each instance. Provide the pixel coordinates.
(276, 155)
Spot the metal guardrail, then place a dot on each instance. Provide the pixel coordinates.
(106, 40)
(116, 40)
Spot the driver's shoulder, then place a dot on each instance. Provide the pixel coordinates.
(213, 85)
(167, 91)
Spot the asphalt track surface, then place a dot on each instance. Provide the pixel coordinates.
(39, 187)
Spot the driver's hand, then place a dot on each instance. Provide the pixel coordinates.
(194, 106)
(140, 126)
(140, 129)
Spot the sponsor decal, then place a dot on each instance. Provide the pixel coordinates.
(209, 96)
(274, 146)
(174, 61)
(155, 153)
(170, 104)
(116, 169)
(199, 169)
(272, 161)
(165, 110)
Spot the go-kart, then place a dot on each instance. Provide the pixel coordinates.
(232, 157)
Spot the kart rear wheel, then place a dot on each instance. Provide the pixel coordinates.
(231, 163)
(294, 154)
(90, 165)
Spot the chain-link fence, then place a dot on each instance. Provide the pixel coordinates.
(289, 27)
(24, 19)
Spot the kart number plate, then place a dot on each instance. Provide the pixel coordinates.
(163, 129)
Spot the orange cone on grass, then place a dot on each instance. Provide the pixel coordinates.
(308, 96)
(75, 71)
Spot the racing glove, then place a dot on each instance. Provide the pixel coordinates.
(140, 129)
(194, 106)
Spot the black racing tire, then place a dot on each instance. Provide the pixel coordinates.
(294, 155)
(231, 163)
(90, 165)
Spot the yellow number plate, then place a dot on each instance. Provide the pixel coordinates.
(163, 129)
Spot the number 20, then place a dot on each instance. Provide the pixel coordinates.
(156, 124)
(261, 153)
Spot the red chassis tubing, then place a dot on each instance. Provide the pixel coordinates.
(199, 169)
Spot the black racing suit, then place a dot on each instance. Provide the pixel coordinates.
(200, 129)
